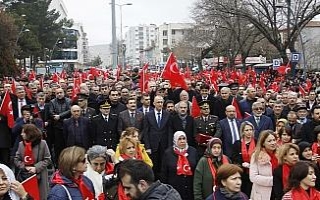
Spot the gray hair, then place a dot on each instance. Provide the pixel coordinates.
(97, 151)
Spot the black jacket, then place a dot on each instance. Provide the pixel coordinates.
(160, 191)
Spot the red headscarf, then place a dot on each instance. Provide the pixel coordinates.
(28, 156)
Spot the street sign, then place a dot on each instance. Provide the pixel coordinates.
(276, 63)
(295, 57)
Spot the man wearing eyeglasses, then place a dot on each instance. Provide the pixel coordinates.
(259, 121)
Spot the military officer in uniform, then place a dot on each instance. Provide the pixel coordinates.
(206, 126)
(82, 100)
(104, 128)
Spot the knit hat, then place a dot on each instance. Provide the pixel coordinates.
(302, 146)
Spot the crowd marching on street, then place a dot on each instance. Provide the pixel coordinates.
(216, 134)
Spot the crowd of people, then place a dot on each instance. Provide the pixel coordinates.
(111, 140)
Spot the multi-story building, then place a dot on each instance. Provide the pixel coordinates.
(168, 35)
(139, 39)
(71, 51)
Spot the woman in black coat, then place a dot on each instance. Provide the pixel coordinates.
(241, 154)
(178, 165)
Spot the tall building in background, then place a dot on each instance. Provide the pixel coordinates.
(138, 40)
(72, 51)
(168, 36)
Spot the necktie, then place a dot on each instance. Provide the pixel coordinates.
(258, 121)
(132, 118)
(234, 132)
(76, 123)
(106, 119)
(159, 119)
(21, 104)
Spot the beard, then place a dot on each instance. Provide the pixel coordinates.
(137, 195)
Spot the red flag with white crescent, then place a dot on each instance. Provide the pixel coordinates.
(6, 109)
(31, 187)
(171, 72)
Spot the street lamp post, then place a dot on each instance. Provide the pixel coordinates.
(114, 37)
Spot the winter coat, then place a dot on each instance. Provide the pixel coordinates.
(160, 191)
(182, 183)
(57, 192)
(261, 176)
(203, 180)
(218, 195)
(40, 152)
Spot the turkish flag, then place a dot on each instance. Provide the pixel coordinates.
(13, 86)
(144, 78)
(171, 72)
(6, 109)
(32, 76)
(236, 105)
(118, 73)
(187, 73)
(76, 88)
(31, 186)
(55, 78)
(284, 69)
(308, 85)
(302, 91)
(195, 112)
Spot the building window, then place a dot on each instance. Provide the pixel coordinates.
(165, 41)
(173, 41)
(165, 33)
(173, 32)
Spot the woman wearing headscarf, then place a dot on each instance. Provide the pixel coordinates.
(178, 168)
(10, 188)
(206, 170)
(242, 152)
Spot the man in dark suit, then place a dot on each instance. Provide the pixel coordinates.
(184, 122)
(82, 101)
(18, 100)
(246, 103)
(259, 121)
(104, 128)
(130, 117)
(312, 102)
(223, 100)
(229, 130)
(145, 108)
(76, 130)
(157, 133)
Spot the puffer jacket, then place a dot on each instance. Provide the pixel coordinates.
(57, 192)
(161, 191)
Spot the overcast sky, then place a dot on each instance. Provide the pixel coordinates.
(95, 15)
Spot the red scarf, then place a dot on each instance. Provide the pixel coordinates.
(139, 153)
(85, 191)
(125, 157)
(213, 169)
(301, 194)
(28, 156)
(109, 168)
(121, 194)
(285, 174)
(246, 153)
(273, 160)
(183, 166)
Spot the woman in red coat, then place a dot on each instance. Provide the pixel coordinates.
(302, 180)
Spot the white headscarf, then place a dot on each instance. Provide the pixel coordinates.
(9, 174)
(175, 140)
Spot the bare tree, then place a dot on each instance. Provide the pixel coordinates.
(271, 21)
